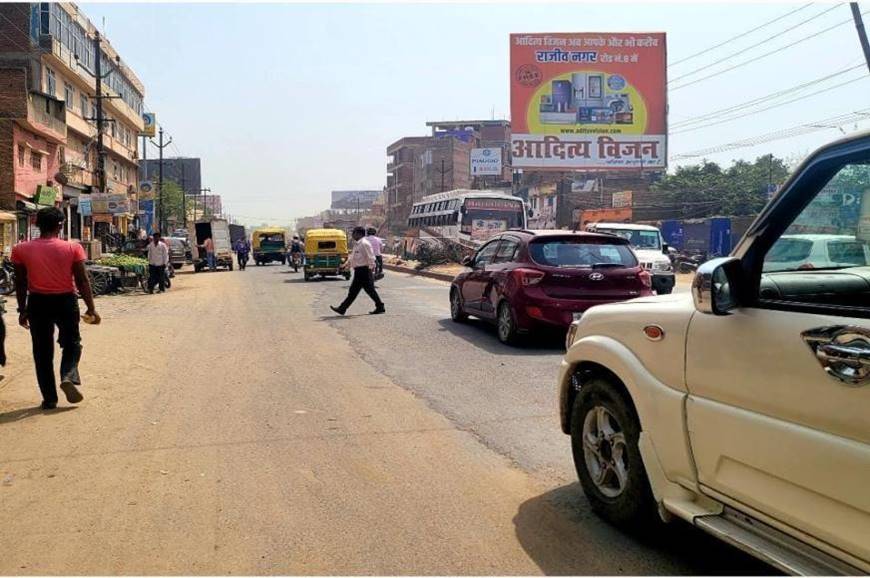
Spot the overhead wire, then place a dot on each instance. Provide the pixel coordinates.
(765, 55)
(799, 130)
(756, 45)
(763, 99)
(739, 36)
(770, 107)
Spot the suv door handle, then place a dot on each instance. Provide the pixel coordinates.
(843, 351)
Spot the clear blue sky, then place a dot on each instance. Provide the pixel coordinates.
(284, 103)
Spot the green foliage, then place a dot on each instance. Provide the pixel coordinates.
(707, 189)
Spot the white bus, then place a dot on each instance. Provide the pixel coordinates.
(466, 216)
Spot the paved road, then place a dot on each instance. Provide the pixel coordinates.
(234, 425)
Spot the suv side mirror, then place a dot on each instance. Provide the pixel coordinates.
(665, 248)
(715, 286)
(468, 261)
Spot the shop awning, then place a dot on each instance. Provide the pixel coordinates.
(6, 216)
(26, 206)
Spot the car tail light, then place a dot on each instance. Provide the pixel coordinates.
(645, 278)
(526, 277)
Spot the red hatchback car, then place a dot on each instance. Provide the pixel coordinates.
(526, 279)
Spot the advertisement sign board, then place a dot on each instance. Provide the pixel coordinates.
(588, 100)
(588, 216)
(99, 203)
(85, 205)
(149, 120)
(146, 215)
(486, 161)
(118, 204)
(621, 199)
(46, 196)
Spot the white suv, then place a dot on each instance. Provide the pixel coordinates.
(744, 407)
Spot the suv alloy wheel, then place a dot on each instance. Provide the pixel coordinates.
(604, 436)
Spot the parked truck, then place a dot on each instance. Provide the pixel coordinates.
(219, 232)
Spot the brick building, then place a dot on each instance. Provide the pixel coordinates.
(423, 165)
(47, 107)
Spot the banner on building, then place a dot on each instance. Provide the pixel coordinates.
(45, 195)
(486, 161)
(85, 205)
(99, 203)
(621, 199)
(118, 204)
(588, 100)
(146, 215)
(149, 121)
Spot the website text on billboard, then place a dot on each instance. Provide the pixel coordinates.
(588, 100)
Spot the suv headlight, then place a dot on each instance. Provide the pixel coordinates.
(662, 266)
(572, 333)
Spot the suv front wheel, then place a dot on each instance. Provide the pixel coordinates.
(604, 436)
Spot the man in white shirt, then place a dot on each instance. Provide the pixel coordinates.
(377, 246)
(362, 260)
(158, 259)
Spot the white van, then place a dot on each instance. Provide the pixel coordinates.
(651, 251)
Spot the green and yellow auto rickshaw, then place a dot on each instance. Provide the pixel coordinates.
(325, 251)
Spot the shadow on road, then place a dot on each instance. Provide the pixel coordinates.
(564, 537)
(19, 414)
(313, 279)
(483, 335)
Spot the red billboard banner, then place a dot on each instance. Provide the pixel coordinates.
(588, 100)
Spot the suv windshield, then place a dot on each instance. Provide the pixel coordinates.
(576, 252)
(638, 239)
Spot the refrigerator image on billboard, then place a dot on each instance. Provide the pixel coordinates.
(588, 100)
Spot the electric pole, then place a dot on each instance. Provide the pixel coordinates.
(183, 194)
(161, 224)
(443, 172)
(862, 33)
(98, 89)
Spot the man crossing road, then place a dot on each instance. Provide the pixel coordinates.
(362, 260)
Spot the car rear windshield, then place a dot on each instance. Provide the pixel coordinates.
(847, 252)
(786, 250)
(578, 252)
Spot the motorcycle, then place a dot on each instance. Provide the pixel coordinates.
(688, 262)
(7, 277)
(296, 261)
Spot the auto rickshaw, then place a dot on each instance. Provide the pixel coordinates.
(268, 245)
(325, 251)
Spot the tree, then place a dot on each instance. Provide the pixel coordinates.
(173, 202)
(706, 189)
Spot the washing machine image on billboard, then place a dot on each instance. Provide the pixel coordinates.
(594, 98)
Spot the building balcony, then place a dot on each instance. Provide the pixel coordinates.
(46, 117)
(58, 56)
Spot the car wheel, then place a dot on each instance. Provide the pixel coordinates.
(456, 312)
(506, 324)
(604, 436)
(667, 291)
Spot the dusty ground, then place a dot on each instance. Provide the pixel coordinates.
(231, 426)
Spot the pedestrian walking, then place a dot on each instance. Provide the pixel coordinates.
(362, 260)
(158, 259)
(377, 247)
(243, 249)
(208, 245)
(47, 272)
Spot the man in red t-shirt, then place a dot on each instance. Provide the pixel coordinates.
(47, 272)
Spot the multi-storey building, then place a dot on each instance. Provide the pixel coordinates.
(48, 133)
(420, 166)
